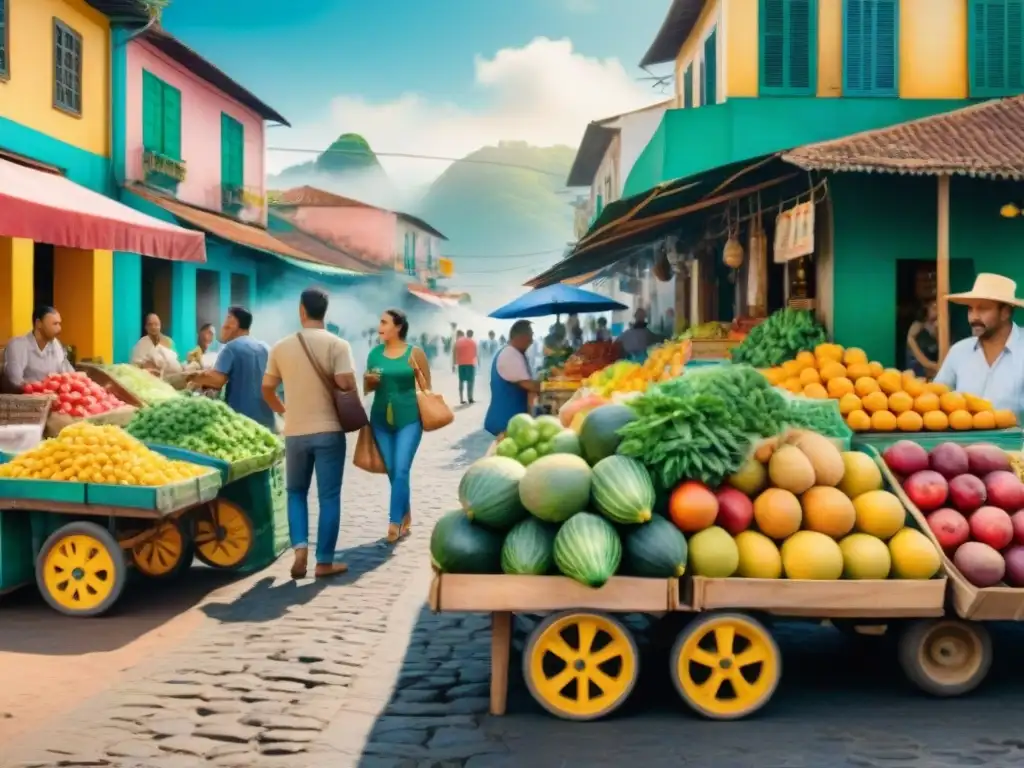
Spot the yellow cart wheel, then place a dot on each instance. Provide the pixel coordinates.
(580, 665)
(223, 535)
(166, 554)
(725, 665)
(945, 657)
(81, 570)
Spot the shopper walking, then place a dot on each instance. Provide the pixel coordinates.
(392, 371)
(466, 360)
(313, 436)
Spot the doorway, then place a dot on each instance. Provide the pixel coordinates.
(240, 291)
(156, 292)
(207, 297)
(916, 284)
(42, 275)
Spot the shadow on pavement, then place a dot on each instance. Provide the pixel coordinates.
(471, 447)
(269, 601)
(28, 625)
(843, 700)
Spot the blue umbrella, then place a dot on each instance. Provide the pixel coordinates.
(557, 299)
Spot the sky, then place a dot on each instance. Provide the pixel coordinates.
(428, 77)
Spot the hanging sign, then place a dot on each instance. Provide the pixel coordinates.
(445, 267)
(794, 233)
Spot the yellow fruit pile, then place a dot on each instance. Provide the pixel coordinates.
(873, 398)
(88, 453)
(665, 361)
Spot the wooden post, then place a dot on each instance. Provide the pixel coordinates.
(942, 267)
(501, 643)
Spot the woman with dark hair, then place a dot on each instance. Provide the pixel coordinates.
(923, 341)
(392, 370)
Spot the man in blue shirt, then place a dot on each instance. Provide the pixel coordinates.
(239, 369)
(991, 363)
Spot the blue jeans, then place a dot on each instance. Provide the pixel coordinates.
(398, 449)
(324, 451)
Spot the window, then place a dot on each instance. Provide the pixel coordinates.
(711, 68)
(702, 96)
(232, 152)
(996, 47)
(5, 70)
(410, 253)
(161, 117)
(789, 47)
(67, 68)
(870, 47)
(688, 86)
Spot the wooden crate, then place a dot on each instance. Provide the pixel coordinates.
(712, 349)
(25, 410)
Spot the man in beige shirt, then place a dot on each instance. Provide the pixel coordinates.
(312, 434)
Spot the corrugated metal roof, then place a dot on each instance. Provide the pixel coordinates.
(312, 197)
(596, 140)
(984, 140)
(678, 24)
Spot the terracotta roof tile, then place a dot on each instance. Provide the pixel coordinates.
(985, 140)
(311, 196)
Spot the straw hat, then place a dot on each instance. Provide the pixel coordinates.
(989, 287)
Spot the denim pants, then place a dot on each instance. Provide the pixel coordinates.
(398, 449)
(325, 452)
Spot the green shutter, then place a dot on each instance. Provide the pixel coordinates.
(688, 86)
(232, 152)
(788, 47)
(711, 68)
(4, 70)
(870, 47)
(996, 42)
(172, 122)
(152, 113)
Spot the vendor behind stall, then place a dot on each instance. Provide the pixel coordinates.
(512, 383)
(638, 338)
(154, 351)
(202, 357)
(37, 354)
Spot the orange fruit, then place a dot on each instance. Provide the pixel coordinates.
(890, 381)
(864, 386)
(952, 401)
(809, 376)
(829, 352)
(793, 385)
(806, 359)
(977, 404)
(909, 421)
(913, 386)
(791, 368)
(832, 370)
(926, 403)
(858, 421)
(883, 421)
(1005, 419)
(961, 419)
(839, 386)
(855, 355)
(900, 402)
(848, 403)
(874, 402)
(935, 421)
(984, 420)
(855, 371)
(775, 376)
(815, 392)
(876, 368)
(934, 386)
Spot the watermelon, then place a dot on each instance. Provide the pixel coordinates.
(587, 549)
(599, 435)
(523, 429)
(656, 550)
(555, 487)
(489, 492)
(457, 545)
(622, 490)
(566, 441)
(528, 547)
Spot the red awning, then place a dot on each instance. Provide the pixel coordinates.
(51, 209)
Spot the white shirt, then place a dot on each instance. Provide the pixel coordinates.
(965, 369)
(164, 358)
(512, 365)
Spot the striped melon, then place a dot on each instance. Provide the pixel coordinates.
(587, 549)
(622, 490)
(527, 548)
(489, 492)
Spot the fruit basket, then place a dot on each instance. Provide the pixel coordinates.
(1009, 439)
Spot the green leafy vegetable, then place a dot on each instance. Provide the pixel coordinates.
(779, 338)
(821, 416)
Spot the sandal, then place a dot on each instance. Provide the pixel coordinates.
(406, 527)
(394, 532)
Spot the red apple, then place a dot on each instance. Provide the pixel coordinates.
(967, 492)
(1017, 518)
(983, 458)
(1005, 490)
(1014, 558)
(905, 457)
(950, 528)
(927, 489)
(735, 510)
(992, 526)
(949, 460)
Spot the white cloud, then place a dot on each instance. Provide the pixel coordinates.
(544, 93)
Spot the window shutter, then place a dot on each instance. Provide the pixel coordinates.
(772, 26)
(172, 122)
(996, 47)
(702, 81)
(870, 47)
(238, 153)
(152, 113)
(711, 67)
(789, 47)
(3, 39)
(688, 86)
(225, 150)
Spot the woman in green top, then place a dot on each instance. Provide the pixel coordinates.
(391, 372)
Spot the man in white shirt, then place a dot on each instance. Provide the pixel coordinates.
(513, 387)
(37, 354)
(154, 351)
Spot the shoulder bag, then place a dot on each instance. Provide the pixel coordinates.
(434, 411)
(351, 414)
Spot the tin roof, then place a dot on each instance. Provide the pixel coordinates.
(678, 24)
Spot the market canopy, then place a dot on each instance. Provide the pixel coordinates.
(556, 300)
(49, 208)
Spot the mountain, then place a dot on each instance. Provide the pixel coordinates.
(497, 201)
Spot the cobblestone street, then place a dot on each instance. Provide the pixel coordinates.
(356, 672)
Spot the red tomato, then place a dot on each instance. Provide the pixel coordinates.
(73, 396)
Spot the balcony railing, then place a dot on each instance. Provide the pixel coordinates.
(235, 198)
(162, 170)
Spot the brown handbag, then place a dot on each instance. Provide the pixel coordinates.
(434, 411)
(351, 414)
(367, 455)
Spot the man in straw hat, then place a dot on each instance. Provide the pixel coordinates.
(991, 364)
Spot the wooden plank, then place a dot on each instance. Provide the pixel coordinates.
(501, 645)
(529, 594)
(942, 266)
(102, 510)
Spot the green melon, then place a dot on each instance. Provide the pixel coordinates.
(655, 550)
(587, 549)
(566, 441)
(457, 545)
(622, 490)
(528, 548)
(599, 436)
(489, 492)
(555, 487)
(548, 426)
